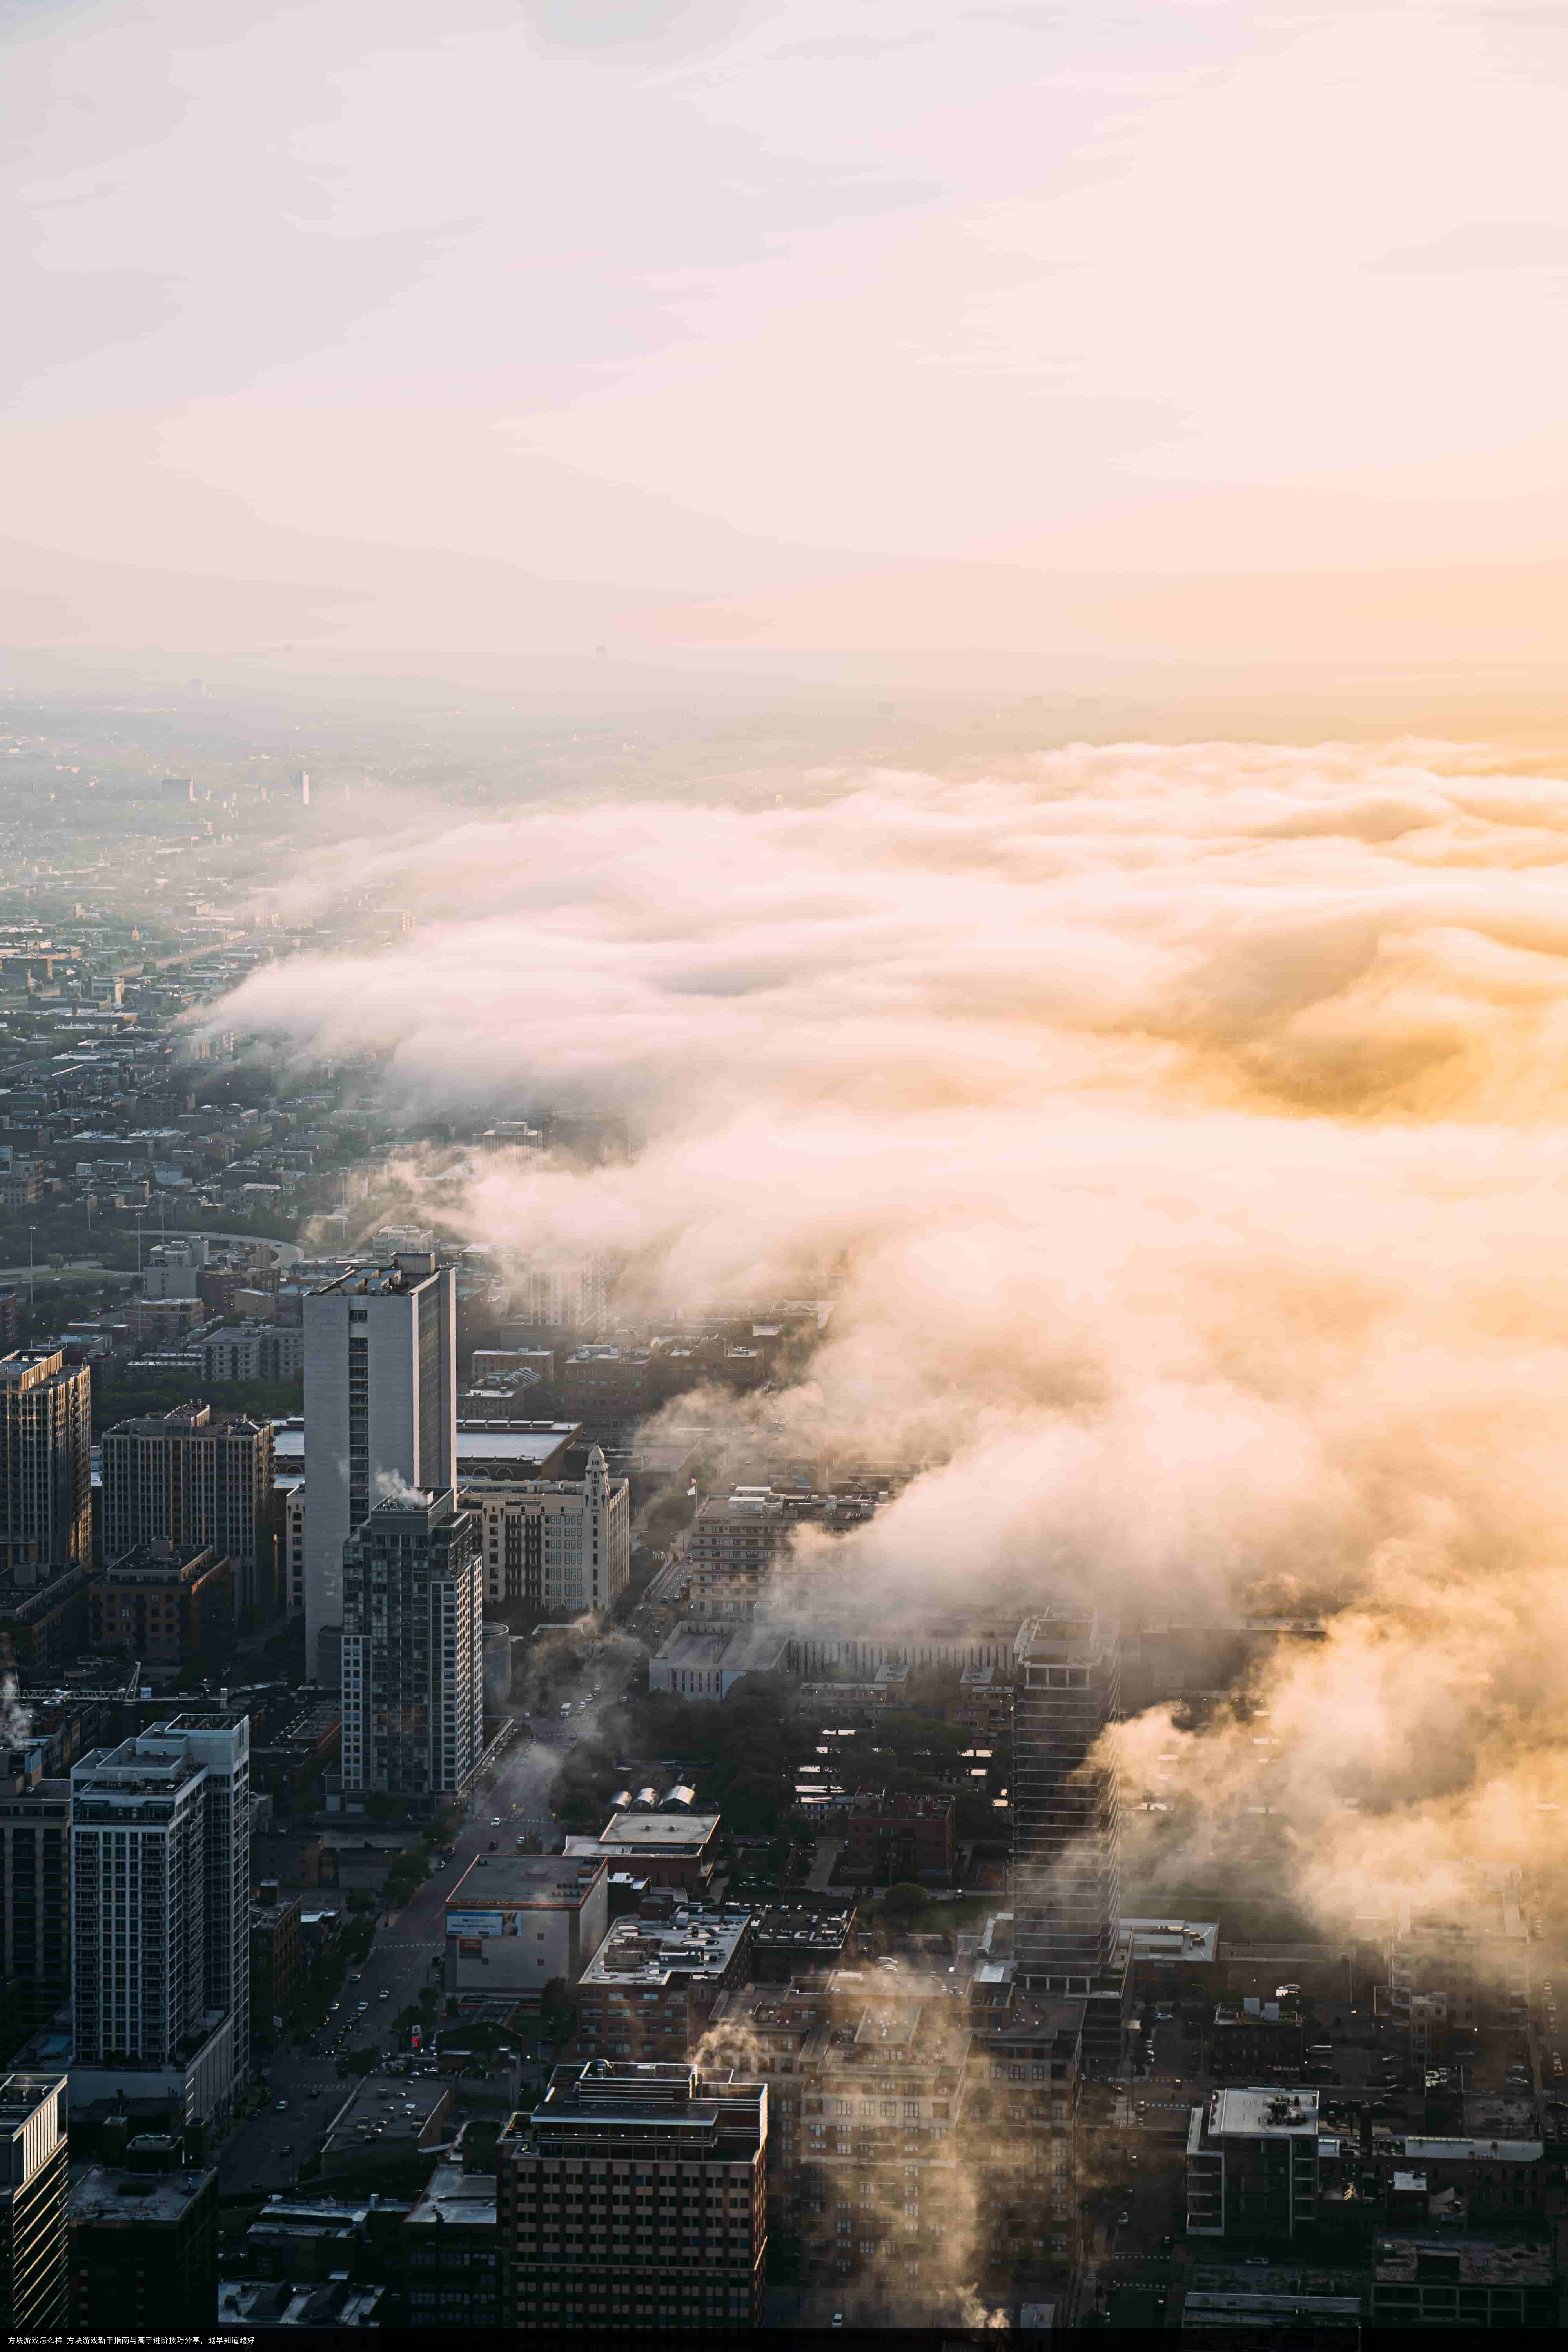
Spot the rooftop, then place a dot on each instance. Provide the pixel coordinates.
(526, 1443)
(1263, 2114)
(453, 2195)
(1169, 1939)
(526, 1881)
(383, 2110)
(1465, 2261)
(273, 2303)
(106, 2193)
(652, 1831)
(407, 1271)
(652, 1951)
(824, 1929)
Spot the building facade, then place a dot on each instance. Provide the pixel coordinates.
(194, 1476)
(294, 1550)
(167, 1604)
(380, 1409)
(46, 1461)
(412, 1665)
(253, 1351)
(634, 2197)
(144, 2244)
(35, 1880)
(898, 1836)
(651, 1987)
(32, 2191)
(550, 1545)
(276, 1958)
(1252, 2164)
(523, 1922)
(161, 1895)
(1065, 1815)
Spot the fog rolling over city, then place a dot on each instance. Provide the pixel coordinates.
(1172, 1130)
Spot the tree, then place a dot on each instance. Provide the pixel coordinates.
(902, 1904)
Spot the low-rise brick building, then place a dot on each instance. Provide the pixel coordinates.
(652, 1986)
(164, 1603)
(891, 1837)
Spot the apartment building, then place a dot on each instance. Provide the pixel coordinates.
(1252, 2164)
(194, 1476)
(45, 1462)
(167, 1604)
(413, 1668)
(880, 2191)
(34, 1879)
(888, 1837)
(551, 1546)
(1023, 2128)
(634, 2197)
(161, 1897)
(253, 1351)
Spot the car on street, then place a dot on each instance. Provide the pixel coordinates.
(384, 1994)
(362, 2006)
(281, 2108)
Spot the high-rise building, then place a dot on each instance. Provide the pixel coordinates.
(194, 1476)
(144, 2243)
(161, 1872)
(380, 1415)
(551, 1545)
(635, 2196)
(1066, 1822)
(34, 1881)
(46, 1461)
(33, 2185)
(413, 1661)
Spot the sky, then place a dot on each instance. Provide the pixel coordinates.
(1212, 333)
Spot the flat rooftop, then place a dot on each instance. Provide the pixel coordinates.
(651, 1951)
(1169, 1939)
(1263, 2114)
(525, 1446)
(107, 2193)
(524, 1882)
(653, 1833)
(381, 2110)
(453, 2195)
(1467, 2262)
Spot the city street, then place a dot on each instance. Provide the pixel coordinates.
(264, 2154)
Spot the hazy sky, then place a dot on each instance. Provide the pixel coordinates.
(518, 325)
